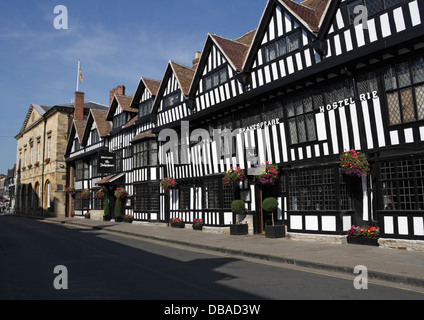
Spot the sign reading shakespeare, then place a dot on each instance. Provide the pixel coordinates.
(107, 162)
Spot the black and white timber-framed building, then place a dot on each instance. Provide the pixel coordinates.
(313, 80)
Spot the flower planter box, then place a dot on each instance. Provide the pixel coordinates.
(198, 228)
(278, 231)
(238, 229)
(363, 241)
(178, 225)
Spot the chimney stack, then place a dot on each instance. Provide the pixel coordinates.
(79, 106)
(197, 55)
(120, 90)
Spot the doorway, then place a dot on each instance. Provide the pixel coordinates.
(264, 218)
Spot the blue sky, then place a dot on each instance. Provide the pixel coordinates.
(116, 41)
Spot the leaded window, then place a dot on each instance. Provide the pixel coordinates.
(404, 85)
(145, 154)
(146, 197)
(145, 108)
(301, 120)
(315, 190)
(403, 184)
(211, 193)
(216, 78)
(373, 7)
(171, 100)
(282, 46)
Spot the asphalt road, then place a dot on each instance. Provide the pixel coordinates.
(101, 266)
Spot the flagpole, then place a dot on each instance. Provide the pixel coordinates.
(78, 75)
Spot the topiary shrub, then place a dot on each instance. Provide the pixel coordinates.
(237, 206)
(269, 205)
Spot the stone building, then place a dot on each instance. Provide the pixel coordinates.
(40, 163)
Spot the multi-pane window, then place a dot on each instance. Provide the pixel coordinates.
(184, 198)
(301, 119)
(145, 108)
(146, 154)
(146, 197)
(119, 120)
(404, 85)
(282, 46)
(171, 100)
(94, 136)
(403, 184)
(372, 6)
(215, 79)
(211, 193)
(318, 190)
(79, 171)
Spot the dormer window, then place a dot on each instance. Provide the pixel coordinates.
(119, 120)
(171, 100)
(215, 79)
(145, 108)
(282, 46)
(94, 135)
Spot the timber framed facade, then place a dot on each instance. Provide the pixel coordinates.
(313, 80)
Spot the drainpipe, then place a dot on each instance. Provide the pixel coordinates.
(42, 172)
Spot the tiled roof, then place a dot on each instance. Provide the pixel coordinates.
(310, 11)
(124, 102)
(235, 51)
(80, 128)
(103, 126)
(131, 122)
(184, 75)
(152, 85)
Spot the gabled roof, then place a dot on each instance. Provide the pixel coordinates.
(235, 51)
(184, 76)
(145, 83)
(309, 13)
(103, 126)
(123, 101)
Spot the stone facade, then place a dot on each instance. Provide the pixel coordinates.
(41, 168)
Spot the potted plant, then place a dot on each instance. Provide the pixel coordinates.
(30, 166)
(354, 164)
(106, 211)
(177, 223)
(47, 160)
(128, 218)
(269, 176)
(238, 229)
(37, 164)
(87, 215)
(365, 235)
(118, 211)
(234, 175)
(168, 183)
(72, 214)
(198, 224)
(274, 231)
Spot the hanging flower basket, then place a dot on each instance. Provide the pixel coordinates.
(120, 193)
(234, 175)
(354, 163)
(70, 190)
(47, 160)
(100, 194)
(85, 193)
(168, 183)
(269, 176)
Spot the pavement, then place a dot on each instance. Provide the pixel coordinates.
(393, 265)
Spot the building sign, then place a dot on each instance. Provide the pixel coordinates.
(347, 102)
(260, 125)
(107, 162)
